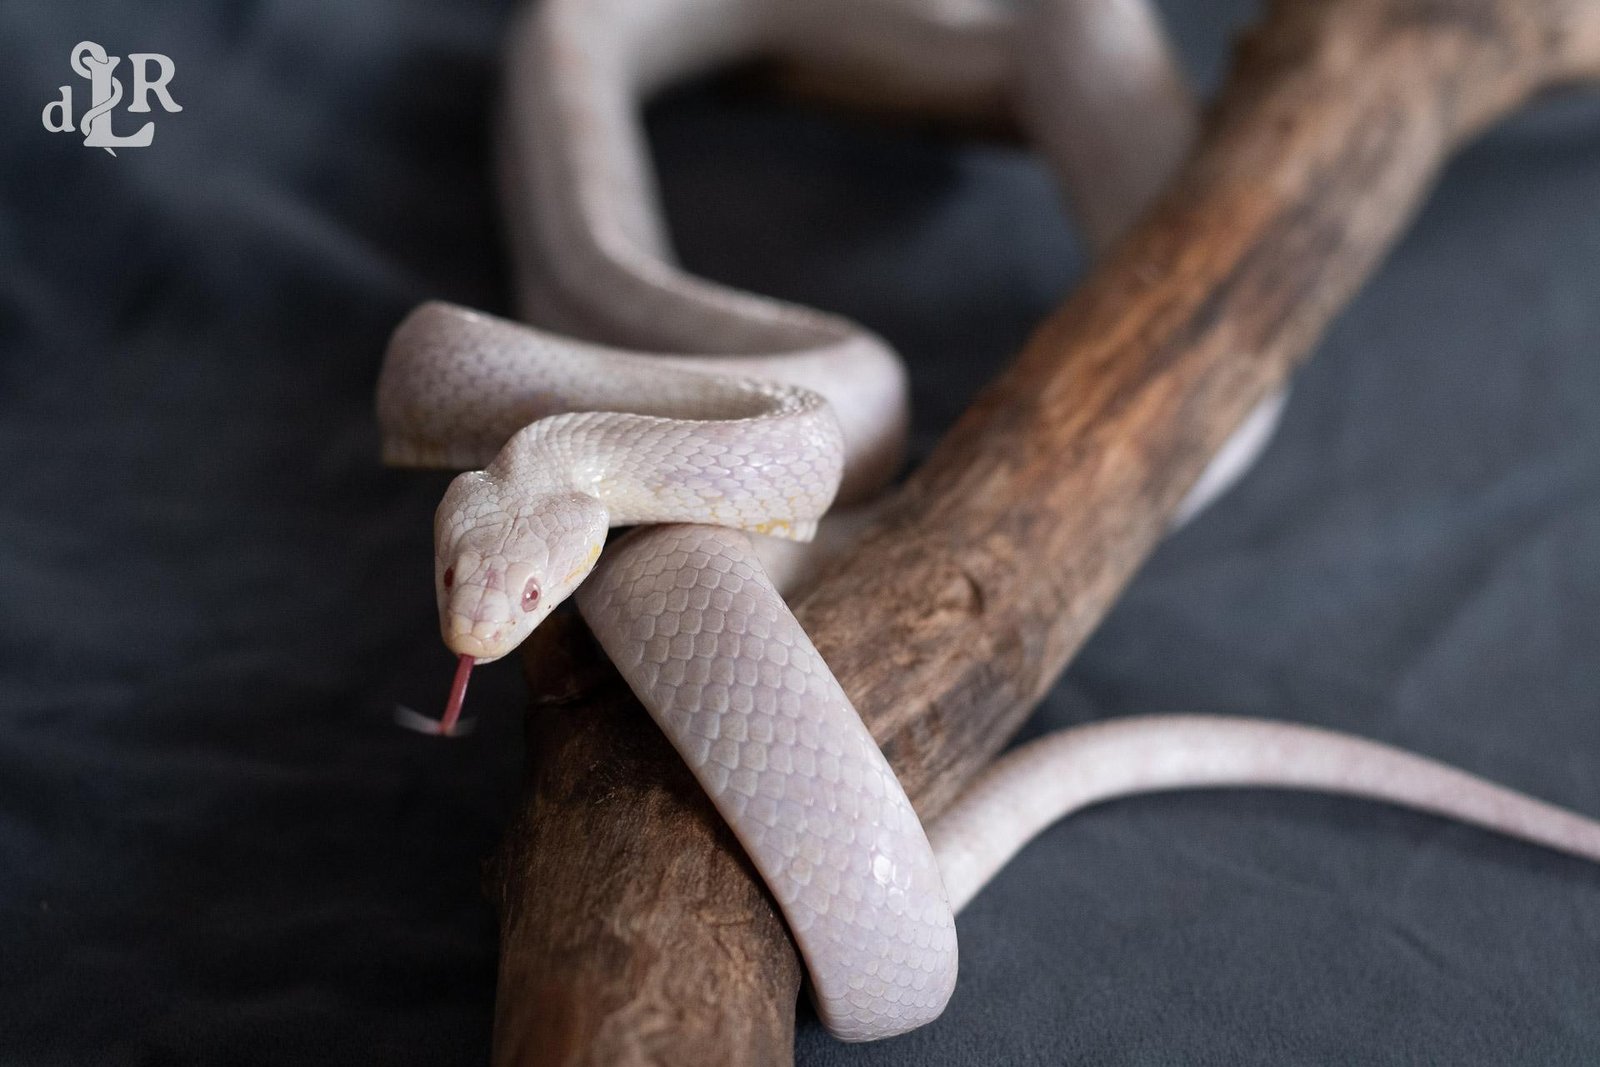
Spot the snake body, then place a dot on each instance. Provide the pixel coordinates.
(707, 416)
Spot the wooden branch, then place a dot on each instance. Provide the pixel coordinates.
(633, 931)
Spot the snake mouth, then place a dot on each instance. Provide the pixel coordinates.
(484, 642)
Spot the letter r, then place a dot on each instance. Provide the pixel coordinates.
(143, 85)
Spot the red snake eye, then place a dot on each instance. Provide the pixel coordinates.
(449, 577)
(530, 594)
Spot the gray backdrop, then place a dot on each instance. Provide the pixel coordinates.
(215, 847)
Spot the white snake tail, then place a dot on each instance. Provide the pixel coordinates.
(716, 412)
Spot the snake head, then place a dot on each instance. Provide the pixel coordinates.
(504, 560)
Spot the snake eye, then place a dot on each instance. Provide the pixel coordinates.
(530, 594)
(449, 577)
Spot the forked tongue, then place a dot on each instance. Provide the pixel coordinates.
(450, 725)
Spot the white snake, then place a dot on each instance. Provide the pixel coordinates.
(760, 412)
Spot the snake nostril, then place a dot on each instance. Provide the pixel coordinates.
(449, 577)
(530, 594)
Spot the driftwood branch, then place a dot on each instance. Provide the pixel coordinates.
(632, 928)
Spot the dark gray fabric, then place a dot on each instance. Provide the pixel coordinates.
(214, 846)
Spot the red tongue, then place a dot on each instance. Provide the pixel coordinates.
(458, 693)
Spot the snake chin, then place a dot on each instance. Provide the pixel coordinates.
(500, 571)
(459, 637)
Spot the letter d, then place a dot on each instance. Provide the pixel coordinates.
(63, 108)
